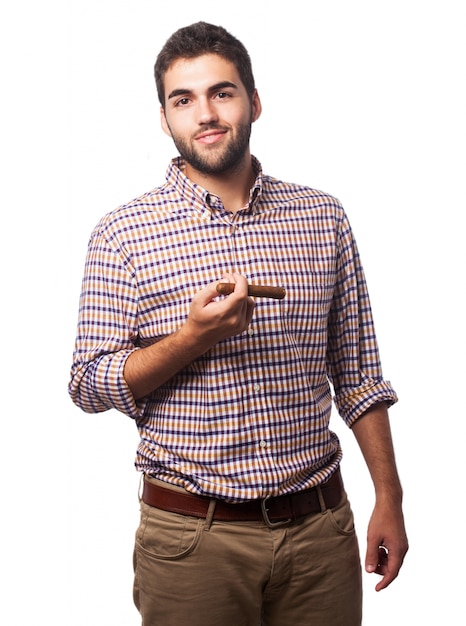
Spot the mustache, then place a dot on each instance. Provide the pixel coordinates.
(206, 127)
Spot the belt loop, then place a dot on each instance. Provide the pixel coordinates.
(141, 486)
(210, 514)
(320, 495)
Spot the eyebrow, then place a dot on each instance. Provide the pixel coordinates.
(184, 91)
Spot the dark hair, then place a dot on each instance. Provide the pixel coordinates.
(201, 38)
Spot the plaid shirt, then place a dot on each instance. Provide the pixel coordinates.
(250, 418)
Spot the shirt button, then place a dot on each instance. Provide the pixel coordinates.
(263, 444)
(257, 387)
(250, 332)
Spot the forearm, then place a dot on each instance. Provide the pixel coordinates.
(373, 434)
(387, 542)
(149, 368)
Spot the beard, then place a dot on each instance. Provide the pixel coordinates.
(217, 161)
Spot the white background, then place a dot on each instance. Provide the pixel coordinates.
(363, 99)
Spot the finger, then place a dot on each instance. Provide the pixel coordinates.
(239, 283)
(250, 307)
(388, 567)
(205, 295)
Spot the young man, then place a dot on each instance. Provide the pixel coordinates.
(244, 517)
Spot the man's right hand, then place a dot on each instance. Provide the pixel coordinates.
(211, 319)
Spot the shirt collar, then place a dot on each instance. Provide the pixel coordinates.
(201, 200)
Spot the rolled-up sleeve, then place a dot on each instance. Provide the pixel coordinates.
(107, 331)
(353, 360)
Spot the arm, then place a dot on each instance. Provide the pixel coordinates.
(209, 321)
(108, 329)
(362, 396)
(386, 526)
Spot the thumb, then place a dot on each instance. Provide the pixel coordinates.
(372, 558)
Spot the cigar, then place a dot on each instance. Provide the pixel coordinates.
(264, 291)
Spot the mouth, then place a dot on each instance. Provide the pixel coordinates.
(211, 136)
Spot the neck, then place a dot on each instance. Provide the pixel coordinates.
(232, 187)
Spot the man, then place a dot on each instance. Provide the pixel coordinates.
(244, 517)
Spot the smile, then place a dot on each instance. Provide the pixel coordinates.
(211, 136)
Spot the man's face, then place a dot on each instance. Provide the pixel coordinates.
(208, 113)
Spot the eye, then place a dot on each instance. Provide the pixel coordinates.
(182, 102)
(222, 95)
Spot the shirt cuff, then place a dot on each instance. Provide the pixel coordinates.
(352, 403)
(102, 386)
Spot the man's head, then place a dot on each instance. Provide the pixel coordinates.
(208, 99)
(200, 39)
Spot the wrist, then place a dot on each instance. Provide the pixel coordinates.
(189, 340)
(389, 495)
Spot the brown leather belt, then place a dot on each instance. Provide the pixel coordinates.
(280, 509)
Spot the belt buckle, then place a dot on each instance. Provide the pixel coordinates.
(267, 520)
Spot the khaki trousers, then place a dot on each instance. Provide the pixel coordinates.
(195, 572)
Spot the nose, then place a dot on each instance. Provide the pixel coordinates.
(206, 111)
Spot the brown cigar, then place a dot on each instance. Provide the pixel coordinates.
(263, 291)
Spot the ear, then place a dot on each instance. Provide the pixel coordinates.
(164, 123)
(256, 106)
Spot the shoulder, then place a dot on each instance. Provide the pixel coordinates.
(278, 193)
(138, 213)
